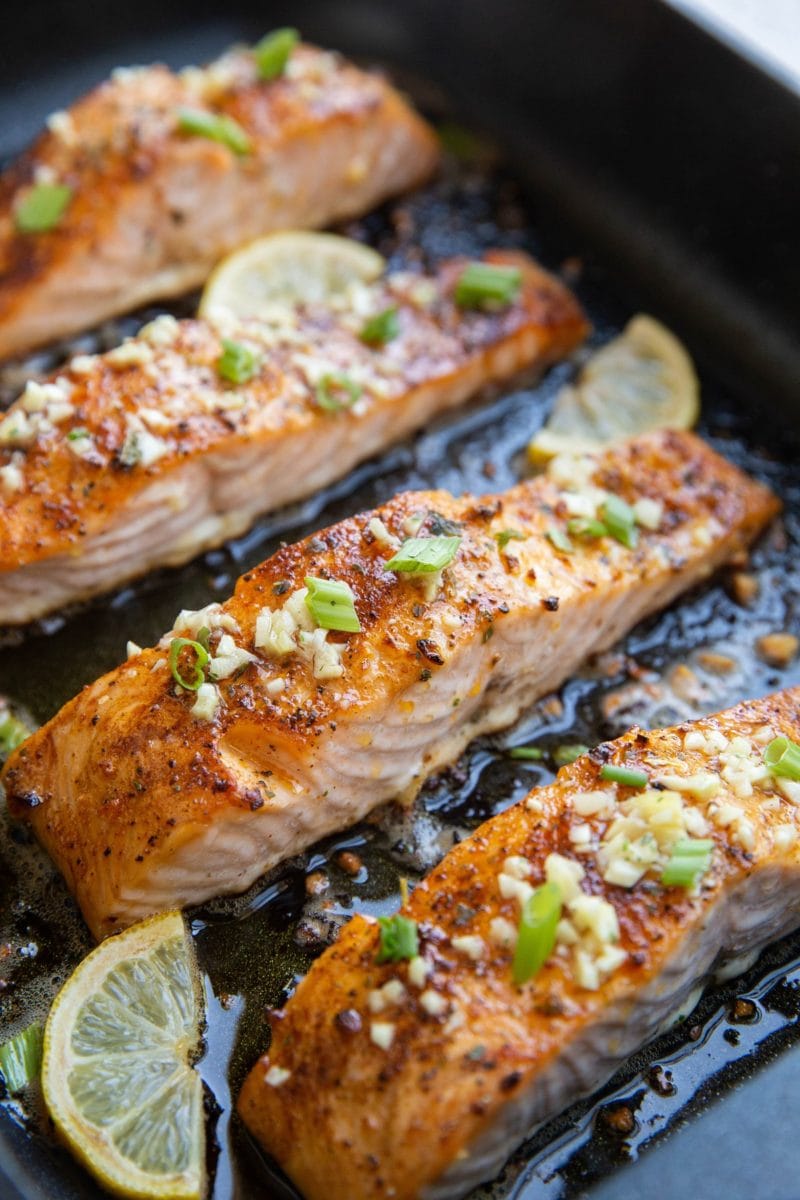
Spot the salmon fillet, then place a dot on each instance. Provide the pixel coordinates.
(152, 208)
(416, 1079)
(147, 455)
(149, 796)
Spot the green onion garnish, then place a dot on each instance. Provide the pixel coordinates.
(526, 753)
(75, 435)
(782, 756)
(508, 535)
(399, 939)
(332, 604)
(177, 645)
(42, 207)
(689, 860)
(541, 913)
(624, 776)
(215, 126)
(619, 521)
(12, 733)
(382, 328)
(337, 392)
(482, 285)
(586, 527)
(424, 554)
(237, 363)
(564, 755)
(21, 1058)
(272, 52)
(559, 540)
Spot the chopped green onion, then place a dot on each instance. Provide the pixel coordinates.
(21, 1058)
(272, 52)
(541, 913)
(177, 645)
(399, 939)
(332, 604)
(75, 435)
(564, 755)
(782, 756)
(215, 126)
(237, 363)
(526, 753)
(203, 637)
(337, 392)
(12, 733)
(508, 535)
(424, 554)
(624, 776)
(620, 521)
(689, 860)
(482, 285)
(42, 207)
(382, 328)
(586, 527)
(559, 540)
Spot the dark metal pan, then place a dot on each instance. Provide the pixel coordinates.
(661, 171)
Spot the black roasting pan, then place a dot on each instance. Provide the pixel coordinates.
(662, 171)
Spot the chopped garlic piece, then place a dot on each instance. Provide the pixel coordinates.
(785, 837)
(160, 332)
(229, 658)
(565, 873)
(589, 804)
(132, 650)
(206, 703)
(580, 835)
(382, 1034)
(470, 944)
(433, 1002)
(382, 535)
(703, 785)
(275, 1076)
(623, 873)
(593, 914)
(648, 513)
(325, 656)
(275, 686)
(12, 478)
(394, 991)
(517, 866)
(514, 889)
(130, 354)
(502, 933)
(418, 971)
(275, 632)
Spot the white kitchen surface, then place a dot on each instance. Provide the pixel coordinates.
(766, 30)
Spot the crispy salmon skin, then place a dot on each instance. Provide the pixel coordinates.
(415, 1079)
(153, 206)
(189, 770)
(149, 454)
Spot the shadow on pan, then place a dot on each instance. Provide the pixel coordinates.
(667, 167)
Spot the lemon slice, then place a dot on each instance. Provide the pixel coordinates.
(287, 268)
(642, 380)
(116, 1070)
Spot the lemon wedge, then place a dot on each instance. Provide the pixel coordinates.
(116, 1071)
(287, 268)
(642, 380)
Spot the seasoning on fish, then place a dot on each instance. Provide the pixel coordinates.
(630, 898)
(145, 183)
(349, 667)
(178, 439)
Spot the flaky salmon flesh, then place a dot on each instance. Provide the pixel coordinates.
(153, 205)
(415, 1079)
(192, 768)
(149, 454)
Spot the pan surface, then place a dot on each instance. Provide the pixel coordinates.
(253, 949)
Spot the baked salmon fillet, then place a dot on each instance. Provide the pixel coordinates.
(181, 437)
(136, 192)
(544, 949)
(349, 667)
